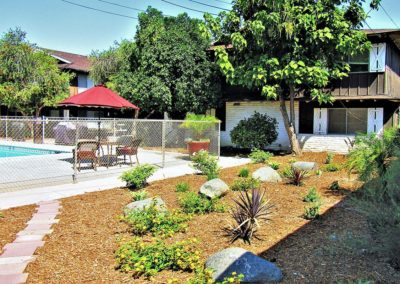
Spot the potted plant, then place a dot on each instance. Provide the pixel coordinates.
(198, 124)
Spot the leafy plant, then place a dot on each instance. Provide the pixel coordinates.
(312, 211)
(203, 276)
(243, 184)
(158, 223)
(257, 131)
(139, 195)
(136, 178)
(244, 172)
(331, 168)
(199, 204)
(1, 215)
(206, 164)
(274, 165)
(250, 211)
(329, 158)
(292, 160)
(260, 156)
(199, 124)
(312, 195)
(334, 186)
(371, 153)
(318, 172)
(148, 259)
(182, 187)
(295, 176)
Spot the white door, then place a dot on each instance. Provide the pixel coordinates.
(320, 121)
(375, 120)
(377, 58)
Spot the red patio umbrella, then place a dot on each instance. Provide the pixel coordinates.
(98, 96)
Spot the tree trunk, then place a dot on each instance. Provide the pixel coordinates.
(289, 125)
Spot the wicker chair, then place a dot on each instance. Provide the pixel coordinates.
(87, 150)
(128, 147)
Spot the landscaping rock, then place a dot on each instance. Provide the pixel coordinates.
(254, 268)
(267, 174)
(305, 166)
(142, 204)
(214, 188)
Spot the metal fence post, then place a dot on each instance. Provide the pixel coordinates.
(6, 128)
(163, 142)
(219, 139)
(43, 128)
(75, 175)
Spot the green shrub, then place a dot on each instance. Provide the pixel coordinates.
(331, 168)
(257, 131)
(205, 276)
(199, 204)
(371, 154)
(147, 259)
(312, 195)
(139, 195)
(334, 186)
(292, 161)
(312, 211)
(260, 156)
(199, 124)
(318, 172)
(295, 176)
(329, 158)
(158, 223)
(243, 184)
(274, 165)
(206, 164)
(244, 172)
(136, 178)
(182, 187)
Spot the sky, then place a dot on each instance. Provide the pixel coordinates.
(56, 24)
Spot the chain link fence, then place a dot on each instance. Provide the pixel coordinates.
(43, 151)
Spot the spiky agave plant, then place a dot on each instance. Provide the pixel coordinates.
(251, 209)
(296, 176)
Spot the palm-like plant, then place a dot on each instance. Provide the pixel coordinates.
(250, 211)
(296, 176)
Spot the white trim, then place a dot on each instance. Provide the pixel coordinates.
(60, 58)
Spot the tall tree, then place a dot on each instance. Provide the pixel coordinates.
(165, 69)
(288, 48)
(29, 77)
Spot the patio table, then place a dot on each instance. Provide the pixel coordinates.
(110, 152)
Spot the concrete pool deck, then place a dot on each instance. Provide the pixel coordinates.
(53, 192)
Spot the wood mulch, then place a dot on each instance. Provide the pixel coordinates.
(81, 248)
(13, 221)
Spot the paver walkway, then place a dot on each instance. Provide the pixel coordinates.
(17, 255)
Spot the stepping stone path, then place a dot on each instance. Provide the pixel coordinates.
(17, 255)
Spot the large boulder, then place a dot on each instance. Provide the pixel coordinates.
(267, 174)
(254, 268)
(214, 188)
(305, 166)
(145, 203)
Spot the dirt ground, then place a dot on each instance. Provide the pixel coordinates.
(327, 250)
(13, 221)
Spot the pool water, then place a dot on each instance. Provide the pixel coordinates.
(13, 151)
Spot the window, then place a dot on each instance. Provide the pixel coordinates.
(359, 63)
(347, 120)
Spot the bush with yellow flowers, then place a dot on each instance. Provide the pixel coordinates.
(204, 276)
(148, 259)
(158, 223)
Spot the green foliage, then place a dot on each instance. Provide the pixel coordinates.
(182, 187)
(29, 77)
(206, 164)
(204, 276)
(318, 172)
(331, 168)
(329, 158)
(257, 131)
(312, 211)
(295, 176)
(199, 204)
(334, 186)
(136, 178)
(199, 124)
(148, 259)
(260, 156)
(1, 215)
(358, 282)
(371, 153)
(312, 195)
(158, 223)
(243, 184)
(244, 172)
(139, 195)
(166, 67)
(274, 165)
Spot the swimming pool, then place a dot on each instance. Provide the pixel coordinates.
(13, 151)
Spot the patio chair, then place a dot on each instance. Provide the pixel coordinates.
(128, 147)
(87, 150)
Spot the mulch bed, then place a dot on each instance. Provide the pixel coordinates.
(81, 248)
(13, 221)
